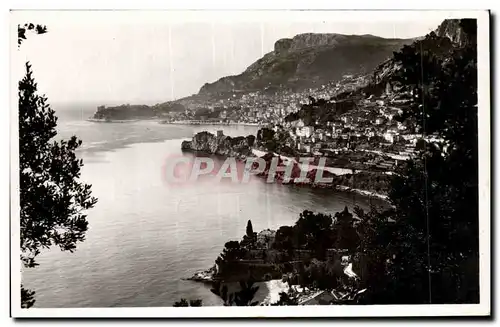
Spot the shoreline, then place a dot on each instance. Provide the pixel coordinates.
(334, 170)
(366, 193)
(111, 121)
(254, 152)
(196, 123)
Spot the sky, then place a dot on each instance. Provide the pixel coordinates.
(113, 58)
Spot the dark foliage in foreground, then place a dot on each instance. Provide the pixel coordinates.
(430, 253)
(243, 297)
(191, 303)
(27, 298)
(52, 199)
(425, 248)
(286, 299)
(22, 29)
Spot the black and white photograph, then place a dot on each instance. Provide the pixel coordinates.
(256, 163)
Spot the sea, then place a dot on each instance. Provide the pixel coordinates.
(145, 235)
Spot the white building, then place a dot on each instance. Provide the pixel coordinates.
(305, 131)
(391, 135)
(345, 119)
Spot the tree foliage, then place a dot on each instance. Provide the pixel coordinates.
(52, 199)
(243, 297)
(191, 303)
(51, 196)
(22, 29)
(429, 253)
(27, 298)
(249, 229)
(289, 298)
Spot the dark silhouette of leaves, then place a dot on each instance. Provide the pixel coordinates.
(243, 297)
(425, 249)
(52, 199)
(286, 299)
(181, 303)
(22, 29)
(191, 303)
(27, 298)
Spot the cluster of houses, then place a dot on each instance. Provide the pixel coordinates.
(258, 107)
(370, 126)
(373, 118)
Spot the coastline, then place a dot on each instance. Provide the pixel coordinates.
(334, 170)
(111, 121)
(201, 123)
(366, 193)
(186, 145)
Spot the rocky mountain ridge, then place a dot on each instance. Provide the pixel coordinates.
(448, 35)
(310, 60)
(451, 29)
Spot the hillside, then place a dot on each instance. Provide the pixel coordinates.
(449, 34)
(309, 60)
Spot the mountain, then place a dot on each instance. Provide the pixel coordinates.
(449, 34)
(310, 60)
(451, 29)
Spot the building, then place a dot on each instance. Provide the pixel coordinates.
(346, 119)
(389, 136)
(304, 147)
(305, 131)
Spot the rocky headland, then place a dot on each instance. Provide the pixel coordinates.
(306, 61)
(135, 112)
(238, 147)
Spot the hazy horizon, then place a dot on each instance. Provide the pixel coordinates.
(110, 61)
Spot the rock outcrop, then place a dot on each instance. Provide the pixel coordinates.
(451, 29)
(204, 276)
(448, 35)
(220, 144)
(282, 45)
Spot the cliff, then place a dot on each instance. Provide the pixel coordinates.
(448, 35)
(451, 29)
(310, 60)
(220, 144)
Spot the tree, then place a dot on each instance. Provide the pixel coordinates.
(249, 229)
(345, 233)
(428, 252)
(27, 298)
(21, 31)
(52, 199)
(324, 275)
(289, 298)
(243, 297)
(232, 252)
(191, 303)
(314, 232)
(285, 238)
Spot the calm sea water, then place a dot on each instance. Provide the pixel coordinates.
(144, 234)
